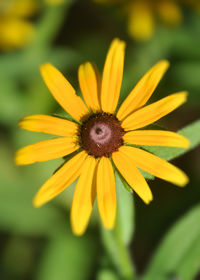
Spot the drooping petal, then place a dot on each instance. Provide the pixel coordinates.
(49, 124)
(106, 193)
(155, 166)
(132, 175)
(84, 196)
(143, 90)
(156, 138)
(153, 112)
(170, 12)
(66, 175)
(46, 150)
(141, 20)
(112, 76)
(90, 83)
(63, 92)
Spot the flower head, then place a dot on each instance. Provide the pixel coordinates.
(102, 139)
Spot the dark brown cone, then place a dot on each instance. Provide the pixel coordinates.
(101, 134)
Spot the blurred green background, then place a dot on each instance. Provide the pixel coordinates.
(38, 243)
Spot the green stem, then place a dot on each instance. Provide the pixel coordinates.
(46, 31)
(118, 251)
(126, 263)
(49, 24)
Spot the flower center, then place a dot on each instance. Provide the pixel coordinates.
(101, 134)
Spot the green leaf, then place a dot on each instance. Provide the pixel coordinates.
(18, 215)
(178, 249)
(190, 265)
(191, 132)
(68, 257)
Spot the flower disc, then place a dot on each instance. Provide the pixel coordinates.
(101, 134)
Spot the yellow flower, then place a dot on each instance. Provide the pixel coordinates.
(142, 15)
(101, 138)
(55, 2)
(15, 29)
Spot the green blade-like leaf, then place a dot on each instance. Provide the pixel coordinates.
(176, 247)
(190, 265)
(192, 132)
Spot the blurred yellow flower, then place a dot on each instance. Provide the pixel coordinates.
(54, 2)
(100, 139)
(15, 28)
(142, 14)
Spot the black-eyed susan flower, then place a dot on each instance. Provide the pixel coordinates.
(143, 15)
(102, 139)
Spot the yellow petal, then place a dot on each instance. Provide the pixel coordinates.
(156, 138)
(106, 193)
(63, 92)
(112, 76)
(46, 150)
(141, 20)
(84, 196)
(155, 165)
(170, 12)
(131, 174)
(49, 124)
(66, 175)
(153, 112)
(90, 82)
(143, 90)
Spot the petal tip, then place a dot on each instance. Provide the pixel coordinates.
(20, 157)
(109, 226)
(184, 94)
(45, 65)
(45, 68)
(165, 62)
(16, 159)
(37, 202)
(183, 181)
(77, 229)
(163, 65)
(148, 199)
(77, 232)
(186, 143)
